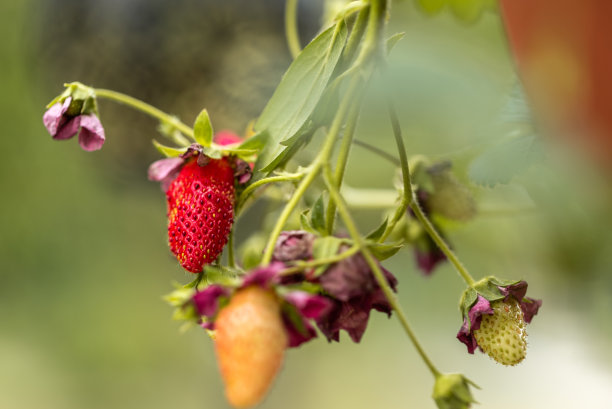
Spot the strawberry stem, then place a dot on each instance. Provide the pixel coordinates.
(147, 109)
(375, 267)
(291, 29)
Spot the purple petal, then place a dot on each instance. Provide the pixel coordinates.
(309, 305)
(53, 116)
(206, 301)
(428, 260)
(243, 171)
(264, 276)
(91, 137)
(163, 169)
(517, 290)
(530, 308)
(466, 332)
(293, 245)
(351, 316)
(467, 337)
(297, 337)
(68, 129)
(348, 278)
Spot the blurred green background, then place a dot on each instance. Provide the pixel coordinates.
(83, 254)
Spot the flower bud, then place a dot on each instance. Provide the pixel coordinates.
(452, 391)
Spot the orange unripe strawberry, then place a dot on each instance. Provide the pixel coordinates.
(250, 341)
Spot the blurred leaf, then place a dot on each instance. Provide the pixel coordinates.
(431, 7)
(500, 163)
(299, 91)
(202, 129)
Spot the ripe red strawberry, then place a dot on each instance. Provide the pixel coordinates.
(200, 212)
(250, 341)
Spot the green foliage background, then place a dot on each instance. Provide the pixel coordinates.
(83, 254)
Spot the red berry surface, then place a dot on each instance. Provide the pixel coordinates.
(200, 212)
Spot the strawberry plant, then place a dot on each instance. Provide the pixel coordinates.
(324, 273)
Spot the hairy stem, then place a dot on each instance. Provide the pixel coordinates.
(272, 179)
(146, 108)
(412, 201)
(376, 270)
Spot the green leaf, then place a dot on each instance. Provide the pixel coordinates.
(384, 251)
(317, 215)
(168, 151)
(202, 129)
(378, 232)
(393, 40)
(504, 161)
(255, 142)
(299, 91)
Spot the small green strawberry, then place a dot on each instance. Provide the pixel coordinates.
(502, 334)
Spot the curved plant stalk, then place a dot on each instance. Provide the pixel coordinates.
(411, 199)
(376, 270)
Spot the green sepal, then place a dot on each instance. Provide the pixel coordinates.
(212, 152)
(202, 129)
(247, 150)
(225, 276)
(393, 40)
(83, 99)
(486, 288)
(325, 247)
(468, 298)
(379, 231)
(305, 222)
(317, 215)
(168, 151)
(180, 299)
(382, 251)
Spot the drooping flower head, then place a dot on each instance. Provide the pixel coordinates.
(75, 112)
(441, 196)
(495, 313)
